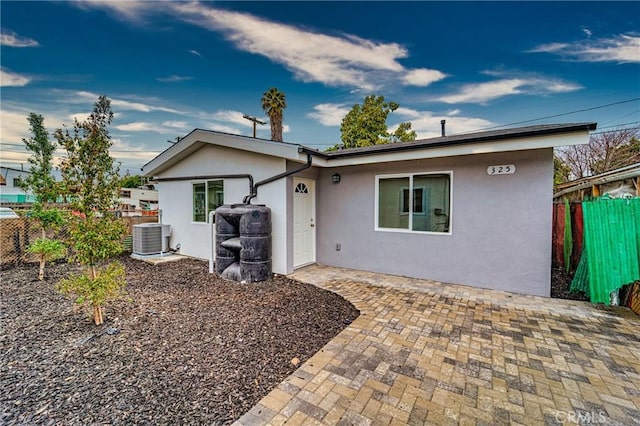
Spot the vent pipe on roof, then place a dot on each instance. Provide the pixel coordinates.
(442, 123)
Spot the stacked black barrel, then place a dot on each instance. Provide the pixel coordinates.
(243, 242)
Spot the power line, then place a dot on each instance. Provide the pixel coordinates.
(626, 115)
(111, 150)
(618, 125)
(563, 114)
(615, 131)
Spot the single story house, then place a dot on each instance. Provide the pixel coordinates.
(472, 209)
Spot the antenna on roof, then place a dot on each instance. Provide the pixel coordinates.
(254, 120)
(442, 123)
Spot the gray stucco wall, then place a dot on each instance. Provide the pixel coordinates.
(501, 225)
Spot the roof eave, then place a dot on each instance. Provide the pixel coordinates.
(462, 139)
(200, 137)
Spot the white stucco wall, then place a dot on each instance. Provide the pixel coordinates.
(175, 197)
(501, 225)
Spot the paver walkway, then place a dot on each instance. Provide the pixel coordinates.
(422, 352)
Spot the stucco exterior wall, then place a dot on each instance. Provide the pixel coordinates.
(500, 225)
(176, 203)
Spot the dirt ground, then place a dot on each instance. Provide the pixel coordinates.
(188, 348)
(560, 284)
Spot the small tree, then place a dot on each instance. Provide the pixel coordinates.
(40, 180)
(403, 133)
(131, 181)
(45, 188)
(92, 178)
(47, 251)
(561, 171)
(366, 124)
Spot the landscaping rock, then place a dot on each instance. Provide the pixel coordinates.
(190, 348)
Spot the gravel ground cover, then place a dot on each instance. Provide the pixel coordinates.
(189, 348)
(560, 285)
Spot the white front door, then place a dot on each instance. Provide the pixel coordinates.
(304, 222)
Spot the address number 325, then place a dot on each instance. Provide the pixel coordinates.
(504, 169)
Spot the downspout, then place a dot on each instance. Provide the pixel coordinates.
(254, 190)
(212, 241)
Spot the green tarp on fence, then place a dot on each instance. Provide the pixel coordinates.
(612, 244)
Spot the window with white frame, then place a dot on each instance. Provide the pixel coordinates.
(207, 196)
(419, 202)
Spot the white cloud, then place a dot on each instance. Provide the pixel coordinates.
(334, 60)
(14, 125)
(407, 113)
(329, 114)
(80, 116)
(174, 78)
(311, 56)
(550, 48)
(138, 106)
(423, 77)
(195, 52)
(125, 152)
(176, 124)
(624, 48)
(9, 158)
(166, 127)
(84, 97)
(11, 39)
(9, 78)
(138, 126)
(130, 10)
(231, 116)
(222, 128)
(484, 92)
(427, 124)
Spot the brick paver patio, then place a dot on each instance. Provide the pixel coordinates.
(422, 352)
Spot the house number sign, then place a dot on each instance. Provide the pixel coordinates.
(504, 169)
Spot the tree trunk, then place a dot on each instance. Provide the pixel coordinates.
(97, 315)
(97, 310)
(42, 262)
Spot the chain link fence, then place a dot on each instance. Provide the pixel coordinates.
(16, 234)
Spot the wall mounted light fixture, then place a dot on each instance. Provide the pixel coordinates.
(335, 178)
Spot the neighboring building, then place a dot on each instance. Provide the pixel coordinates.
(619, 183)
(470, 209)
(10, 191)
(138, 201)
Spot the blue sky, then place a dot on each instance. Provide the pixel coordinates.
(170, 67)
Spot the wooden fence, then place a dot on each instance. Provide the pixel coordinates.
(577, 231)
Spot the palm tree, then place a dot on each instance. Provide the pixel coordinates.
(273, 102)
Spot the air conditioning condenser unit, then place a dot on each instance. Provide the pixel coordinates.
(151, 238)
